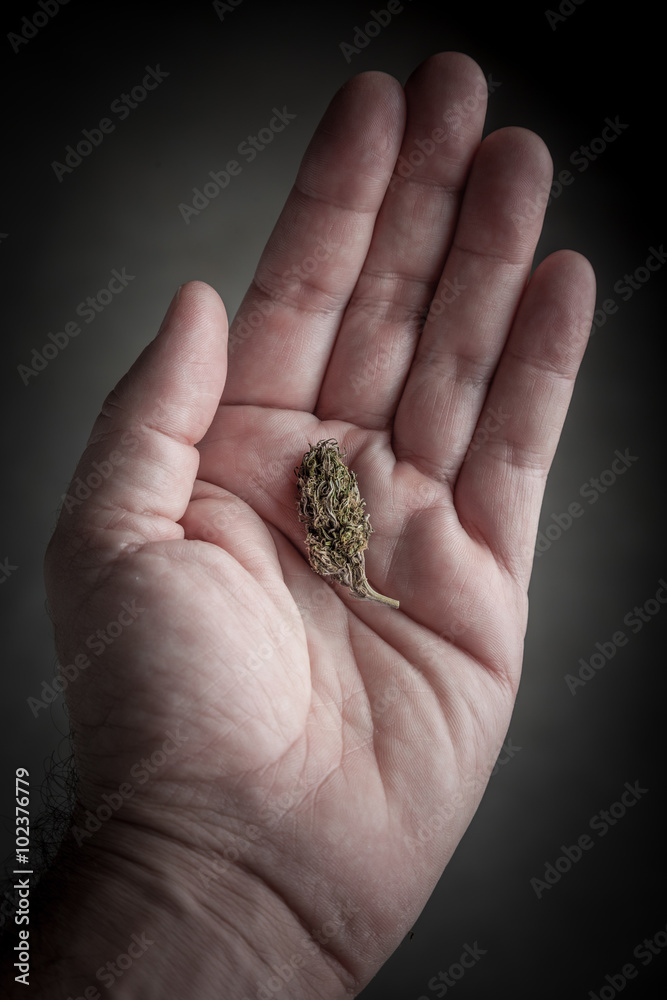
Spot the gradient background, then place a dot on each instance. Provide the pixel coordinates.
(120, 209)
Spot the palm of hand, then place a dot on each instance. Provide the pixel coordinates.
(340, 746)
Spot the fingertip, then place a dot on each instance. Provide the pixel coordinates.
(374, 81)
(576, 264)
(453, 63)
(363, 125)
(198, 296)
(574, 275)
(195, 328)
(524, 145)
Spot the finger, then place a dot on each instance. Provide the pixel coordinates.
(501, 485)
(135, 477)
(446, 105)
(475, 302)
(281, 338)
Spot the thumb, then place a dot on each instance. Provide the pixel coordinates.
(135, 477)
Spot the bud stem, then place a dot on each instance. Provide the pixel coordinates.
(367, 593)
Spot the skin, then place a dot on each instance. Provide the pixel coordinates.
(327, 754)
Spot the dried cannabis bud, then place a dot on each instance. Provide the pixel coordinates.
(337, 527)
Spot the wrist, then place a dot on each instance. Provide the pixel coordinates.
(134, 914)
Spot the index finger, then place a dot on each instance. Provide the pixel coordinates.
(282, 336)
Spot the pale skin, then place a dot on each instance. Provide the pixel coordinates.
(317, 758)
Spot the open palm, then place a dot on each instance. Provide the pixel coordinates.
(332, 749)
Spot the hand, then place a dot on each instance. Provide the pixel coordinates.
(312, 760)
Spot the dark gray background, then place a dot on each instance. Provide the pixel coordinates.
(119, 208)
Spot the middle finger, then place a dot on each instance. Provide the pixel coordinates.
(446, 105)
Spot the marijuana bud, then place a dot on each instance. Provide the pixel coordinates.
(337, 527)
